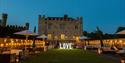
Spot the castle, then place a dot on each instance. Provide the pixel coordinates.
(60, 28)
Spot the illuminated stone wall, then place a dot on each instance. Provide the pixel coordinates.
(60, 28)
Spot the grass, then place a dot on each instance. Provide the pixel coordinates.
(68, 56)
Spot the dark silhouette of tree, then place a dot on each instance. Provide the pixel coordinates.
(99, 35)
(10, 29)
(34, 29)
(91, 35)
(120, 29)
(85, 33)
(33, 45)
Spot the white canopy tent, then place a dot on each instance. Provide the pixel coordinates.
(121, 32)
(26, 33)
(83, 37)
(42, 36)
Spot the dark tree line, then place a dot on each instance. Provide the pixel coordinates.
(10, 29)
(98, 32)
(120, 29)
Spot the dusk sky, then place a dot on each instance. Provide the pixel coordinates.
(106, 14)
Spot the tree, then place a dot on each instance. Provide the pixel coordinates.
(85, 33)
(33, 45)
(120, 29)
(99, 34)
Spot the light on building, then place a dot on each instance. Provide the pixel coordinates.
(56, 37)
(77, 39)
(62, 36)
(49, 36)
(73, 37)
(66, 37)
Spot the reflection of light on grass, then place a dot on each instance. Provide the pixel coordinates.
(65, 45)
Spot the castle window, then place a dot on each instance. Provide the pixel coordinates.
(49, 18)
(56, 37)
(49, 36)
(49, 25)
(53, 18)
(46, 19)
(61, 18)
(61, 26)
(76, 26)
(62, 36)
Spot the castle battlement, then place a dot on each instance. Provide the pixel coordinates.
(64, 18)
(58, 28)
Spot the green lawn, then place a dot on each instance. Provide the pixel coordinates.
(68, 56)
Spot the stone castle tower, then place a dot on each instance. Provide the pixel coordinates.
(3, 21)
